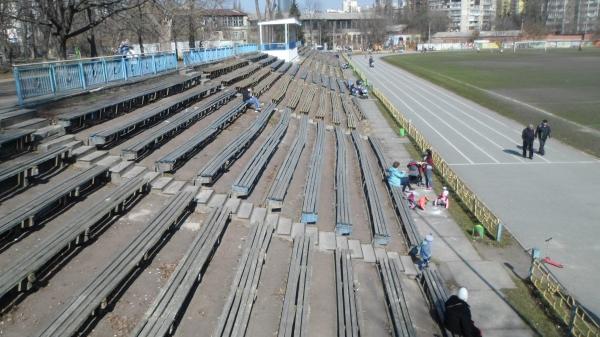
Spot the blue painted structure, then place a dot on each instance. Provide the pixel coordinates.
(199, 56)
(64, 77)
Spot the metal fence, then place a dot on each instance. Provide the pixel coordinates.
(578, 321)
(199, 56)
(64, 77)
(55, 78)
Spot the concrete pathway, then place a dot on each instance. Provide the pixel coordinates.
(459, 263)
(550, 202)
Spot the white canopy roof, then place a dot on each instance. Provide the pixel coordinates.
(289, 21)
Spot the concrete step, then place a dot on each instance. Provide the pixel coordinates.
(233, 204)
(368, 253)
(245, 210)
(284, 227)
(327, 240)
(159, 184)
(90, 159)
(272, 220)
(258, 215)
(16, 115)
(73, 145)
(342, 242)
(174, 187)
(410, 269)
(49, 132)
(54, 143)
(109, 161)
(355, 249)
(134, 172)
(298, 229)
(32, 123)
(151, 176)
(117, 171)
(82, 151)
(204, 195)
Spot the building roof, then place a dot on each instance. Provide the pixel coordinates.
(447, 35)
(223, 12)
(289, 21)
(336, 16)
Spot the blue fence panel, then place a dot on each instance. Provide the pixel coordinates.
(68, 77)
(54, 78)
(205, 55)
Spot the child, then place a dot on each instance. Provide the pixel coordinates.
(414, 172)
(442, 199)
(411, 199)
(422, 202)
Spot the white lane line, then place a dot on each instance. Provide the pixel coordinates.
(587, 162)
(448, 113)
(482, 123)
(432, 128)
(392, 85)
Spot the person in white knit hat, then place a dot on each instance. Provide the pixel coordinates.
(458, 315)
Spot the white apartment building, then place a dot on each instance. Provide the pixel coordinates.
(467, 15)
(350, 6)
(571, 16)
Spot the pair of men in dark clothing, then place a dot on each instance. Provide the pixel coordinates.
(542, 132)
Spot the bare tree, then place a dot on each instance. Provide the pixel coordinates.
(68, 19)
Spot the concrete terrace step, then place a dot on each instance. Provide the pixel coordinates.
(109, 161)
(82, 151)
(245, 210)
(233, 204)
(49, 132)
(174, 187)
(48, 145)
(160, 183)
(151, 176)
(134, 172)
(204, 195)
(284, 227)
(117, 171)
(90, 159)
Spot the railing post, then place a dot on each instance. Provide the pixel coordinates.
(499, 232)
(573, 315)
(124, 68)
(82, 76)
(104, 71)
(53, 79)
(153, 64)
(17, 77)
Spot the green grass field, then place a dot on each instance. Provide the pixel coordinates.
(565, 83)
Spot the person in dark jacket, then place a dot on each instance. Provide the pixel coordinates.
(542, 132)
(250, 99)
(458, 315)
(528, 136)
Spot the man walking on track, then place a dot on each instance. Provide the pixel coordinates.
(528, 136)
(543, 132)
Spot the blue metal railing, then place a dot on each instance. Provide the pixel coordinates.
(278, 46)
(198, 56)
(56, 78)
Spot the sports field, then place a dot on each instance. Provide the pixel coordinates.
(525, 86)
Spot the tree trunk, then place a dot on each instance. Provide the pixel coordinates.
(140, 30)
(62, 47)
(92, 37)
(257, 9)
(191, 26)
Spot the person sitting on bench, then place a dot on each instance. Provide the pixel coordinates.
(250, 100)
(442, 199)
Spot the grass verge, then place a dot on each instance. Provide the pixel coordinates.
(524, 298)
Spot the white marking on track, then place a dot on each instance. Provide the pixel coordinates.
(444, 122)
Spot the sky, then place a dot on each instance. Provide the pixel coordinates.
(248, 5)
